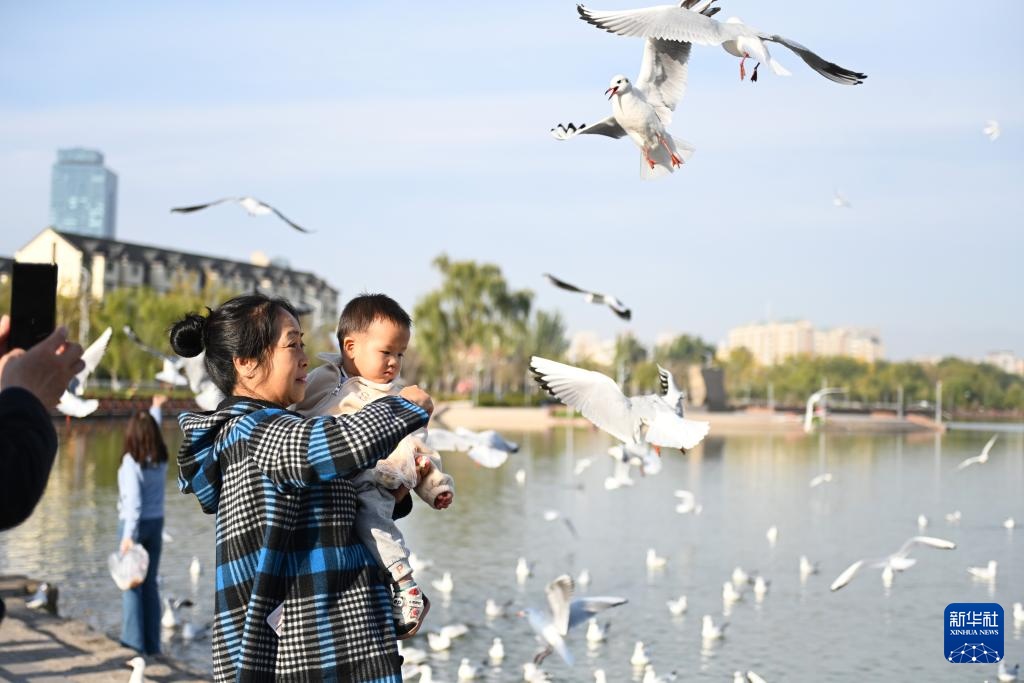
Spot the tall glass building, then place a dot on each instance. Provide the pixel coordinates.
(83, 194)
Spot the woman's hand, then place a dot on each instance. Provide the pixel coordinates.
(414, 394)
(126, 545)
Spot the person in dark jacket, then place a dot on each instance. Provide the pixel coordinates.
(298, 597)
(31, 383)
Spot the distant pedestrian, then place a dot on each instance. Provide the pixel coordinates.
(140, 486)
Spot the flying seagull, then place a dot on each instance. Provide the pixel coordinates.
(978, 459)
(634, 420)
(679, 23)
(840, 201)
(71, 402)
(253, 207)
(897, 562)
(565, 612)
(207, 395)
(618, 308)
(488, 448)
(643, 110)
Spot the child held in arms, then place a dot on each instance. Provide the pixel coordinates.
(373, 333)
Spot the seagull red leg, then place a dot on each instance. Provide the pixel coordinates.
(743, 69)
(676, 161)
(650, 161)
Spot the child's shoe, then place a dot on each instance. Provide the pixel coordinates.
(408, 608)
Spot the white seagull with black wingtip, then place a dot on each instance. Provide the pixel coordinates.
(643, 110)
(618, 308)
(252, 206)
(634, 420)
(681, 23)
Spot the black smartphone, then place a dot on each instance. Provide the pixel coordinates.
(33, 303)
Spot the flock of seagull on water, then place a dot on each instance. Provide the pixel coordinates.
(566, 613)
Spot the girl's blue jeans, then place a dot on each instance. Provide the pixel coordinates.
(140, 619)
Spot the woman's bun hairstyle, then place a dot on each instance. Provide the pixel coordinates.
(188, 335)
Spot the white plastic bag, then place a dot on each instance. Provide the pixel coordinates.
(129, 570)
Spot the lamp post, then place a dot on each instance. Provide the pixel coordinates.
(85, 284)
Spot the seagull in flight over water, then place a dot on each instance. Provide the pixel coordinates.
(978, 459)
(207, 395)
(565, 612)
(618, 308)
(71, 402)
(253, 207)
(897, 562)
(634, 420)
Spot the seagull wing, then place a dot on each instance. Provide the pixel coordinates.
(583, 609)
(665, 22)
(94, 353)
(829, 70)
(444, 440)
(200, 207)
(846, 576)
(559, 593)
(940, 543)
(988, 447)
(618, 308)
(129, 332)
(91, 357)
(562, 284)
(496, 440)
(287, 220)
(662, 79)
(669, 390)
(595, 395)
(608, 127)
(967, 462)
(487, 456)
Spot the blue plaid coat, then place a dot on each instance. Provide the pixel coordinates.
(284, 515)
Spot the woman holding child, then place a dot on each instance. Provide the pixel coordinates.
(298, 596)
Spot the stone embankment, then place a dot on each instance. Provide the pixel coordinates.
(37, 646)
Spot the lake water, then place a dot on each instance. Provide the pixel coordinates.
(746, 483)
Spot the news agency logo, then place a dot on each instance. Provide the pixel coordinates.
(974, 632)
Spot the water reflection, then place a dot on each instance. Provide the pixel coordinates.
(746, 483)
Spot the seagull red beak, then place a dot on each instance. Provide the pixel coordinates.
(613, 90)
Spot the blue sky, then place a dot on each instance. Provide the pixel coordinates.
(404, 129)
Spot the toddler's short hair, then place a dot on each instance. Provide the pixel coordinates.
(361, 311)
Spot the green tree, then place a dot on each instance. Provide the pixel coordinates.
(473, 324)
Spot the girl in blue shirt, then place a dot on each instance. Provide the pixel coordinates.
(140, 505)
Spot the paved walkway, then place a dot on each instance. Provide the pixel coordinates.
(37, 647)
